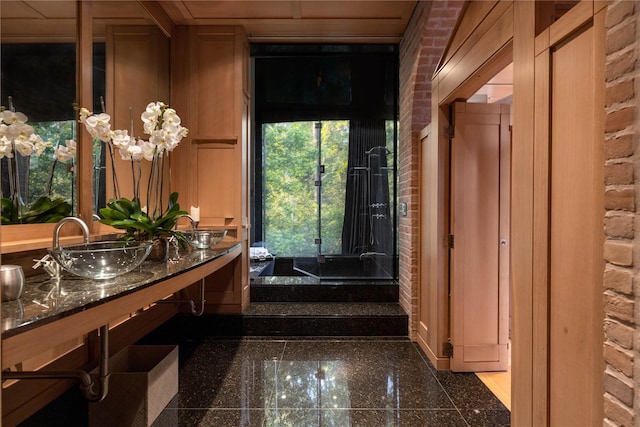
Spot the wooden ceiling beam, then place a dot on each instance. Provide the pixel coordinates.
(159, 16)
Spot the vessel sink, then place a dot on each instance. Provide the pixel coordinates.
(203, 238)
(101, 260)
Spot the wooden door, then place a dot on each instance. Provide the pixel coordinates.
(479, 241)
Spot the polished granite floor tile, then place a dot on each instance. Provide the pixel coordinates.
(210, 417)
(487, 418)
(361, 418)
(323, 382)
(312, 383)
(227, 374)
(377, 374)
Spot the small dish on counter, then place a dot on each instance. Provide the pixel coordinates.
(204, 238)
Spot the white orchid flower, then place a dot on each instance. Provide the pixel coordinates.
(148, 149)
(4, 129)
(131, 152)
(151, 116)
(150, 125)
(155, 108)
(158, 139)
(84, 114)
(170, 128)
(183, 132)
(38, 144)
(170, 116)
(99, 127)
(60, 153)
(3, 114)
(124, 154)
(5, 148)
(19, 130)
(72, 146)
(23, 145)
(63, 153)
(121, 139)
(10, 117)
(98, 120)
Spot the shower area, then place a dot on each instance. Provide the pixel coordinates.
(324, 161)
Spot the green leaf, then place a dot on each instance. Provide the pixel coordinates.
(173, 198)
(122, 224)
(41, 204)
(112, 214)
(141, 217)
(123, 205)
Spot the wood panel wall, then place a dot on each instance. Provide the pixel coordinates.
(494, 34)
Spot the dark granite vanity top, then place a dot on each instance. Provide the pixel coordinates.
(42, 301)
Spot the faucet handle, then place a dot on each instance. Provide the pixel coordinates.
(42, 261)
(49, 265)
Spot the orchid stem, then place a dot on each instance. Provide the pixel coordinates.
(50, 181)
(133, 175)
(116, 187)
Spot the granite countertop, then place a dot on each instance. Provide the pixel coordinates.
(42, 301)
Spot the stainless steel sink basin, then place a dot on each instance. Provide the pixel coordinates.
(203, 238)
(101, 260)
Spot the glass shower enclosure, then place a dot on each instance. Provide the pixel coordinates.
(329, 197)
(324, 175)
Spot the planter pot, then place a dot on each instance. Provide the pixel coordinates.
(159, 250)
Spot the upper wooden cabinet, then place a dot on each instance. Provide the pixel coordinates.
(210, 88)
(209, 76)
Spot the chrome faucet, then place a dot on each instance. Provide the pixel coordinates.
(53, 268)
(194, 223)
(63, 221)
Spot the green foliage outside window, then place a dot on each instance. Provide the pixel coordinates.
(291, 208)
(62, 183)
(291, 202)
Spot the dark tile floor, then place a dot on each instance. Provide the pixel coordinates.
(310, 382)
(347, 382)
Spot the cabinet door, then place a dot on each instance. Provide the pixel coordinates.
(479, 276)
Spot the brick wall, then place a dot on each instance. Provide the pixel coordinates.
(622, 177)
(422, 46)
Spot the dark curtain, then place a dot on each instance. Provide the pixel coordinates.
(41, 79)
(367, 218)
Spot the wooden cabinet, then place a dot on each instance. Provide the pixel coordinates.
(210, 88)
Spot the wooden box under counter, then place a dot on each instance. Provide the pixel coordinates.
(143, 380)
